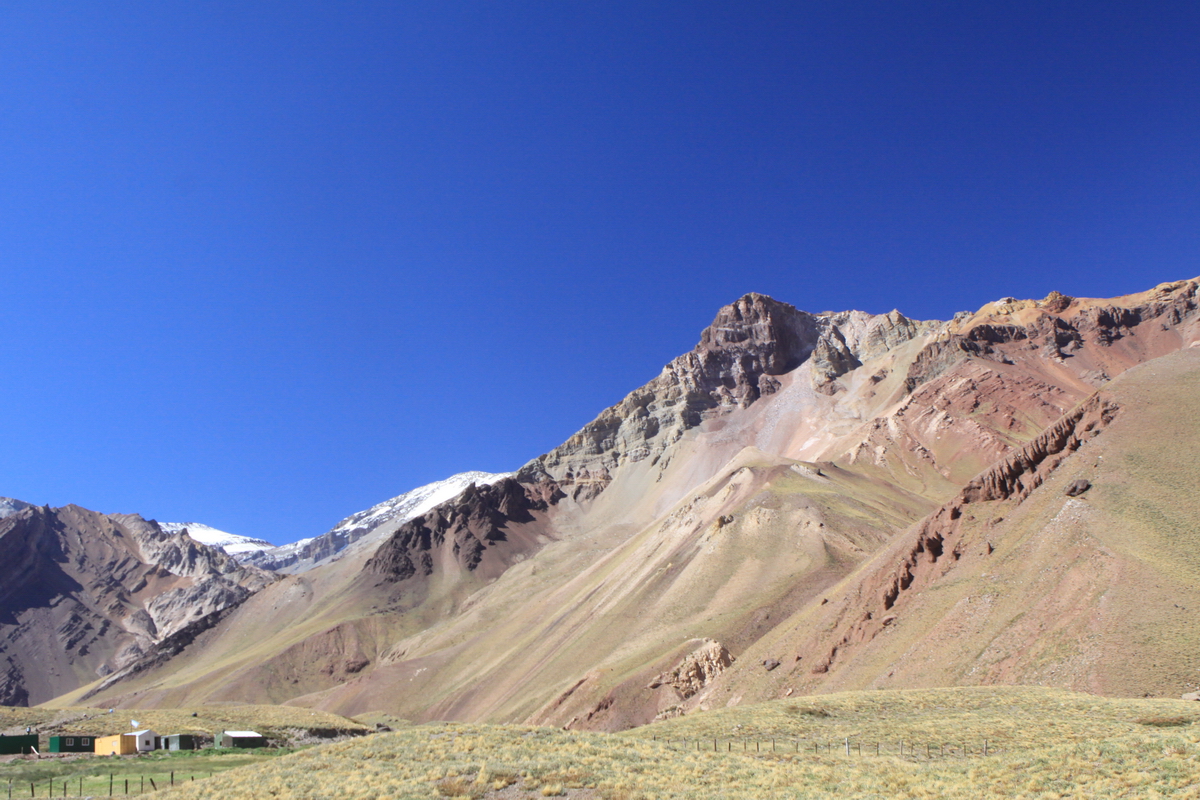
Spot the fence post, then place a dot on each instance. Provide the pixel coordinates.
(110, 782)
(847, 745)
(985, 747)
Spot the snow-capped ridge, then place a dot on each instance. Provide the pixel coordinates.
(368, 526)
(11, 505)
(232, 543)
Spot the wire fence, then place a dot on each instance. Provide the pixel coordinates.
(111, 785)
(855, 747)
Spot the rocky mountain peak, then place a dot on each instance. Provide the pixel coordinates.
(740, 358)
(776, 335)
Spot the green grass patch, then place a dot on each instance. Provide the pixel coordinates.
(92, 775)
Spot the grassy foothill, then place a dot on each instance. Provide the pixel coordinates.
(1043, 743)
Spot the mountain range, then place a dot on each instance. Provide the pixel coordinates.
(802, 503)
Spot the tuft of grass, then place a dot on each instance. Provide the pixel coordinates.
(810, 711)
(1165, 722)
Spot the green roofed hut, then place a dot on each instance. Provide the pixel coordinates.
(72, 744)
(242, 739)
(18, 745)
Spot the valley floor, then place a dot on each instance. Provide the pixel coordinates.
(1040, 743)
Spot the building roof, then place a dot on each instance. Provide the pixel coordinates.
(242, 733)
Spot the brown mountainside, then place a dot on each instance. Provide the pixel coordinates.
(655, 560)
(85, 594)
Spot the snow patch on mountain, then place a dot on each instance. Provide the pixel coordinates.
(369, 526)
(233, 544)
(11, 505)
(415, 503)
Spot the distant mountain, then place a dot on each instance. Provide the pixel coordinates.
(84, 594)
(10, 506)
(369, 526)
(231, 543)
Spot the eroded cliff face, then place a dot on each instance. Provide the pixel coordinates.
(84, 594)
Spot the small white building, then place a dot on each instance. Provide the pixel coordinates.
(145, 740)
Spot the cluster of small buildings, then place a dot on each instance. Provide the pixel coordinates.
(125, 744)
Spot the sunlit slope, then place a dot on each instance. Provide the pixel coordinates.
(303, 633)
(1017, 582)
(575, 634)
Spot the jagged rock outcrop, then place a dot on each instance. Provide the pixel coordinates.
(83, 592)
(466, 527)
(1056, 327)
(697, 669)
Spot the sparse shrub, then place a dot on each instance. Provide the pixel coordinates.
(460, 787)
(553, 790)
(808, 711)
(1165, 722)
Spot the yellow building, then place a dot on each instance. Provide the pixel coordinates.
(123, 744)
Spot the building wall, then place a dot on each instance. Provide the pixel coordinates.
(120, 745)
(15, 745)
(72, 744)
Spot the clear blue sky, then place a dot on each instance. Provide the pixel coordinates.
(266, 264)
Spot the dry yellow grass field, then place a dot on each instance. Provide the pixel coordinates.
(1042, 743)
